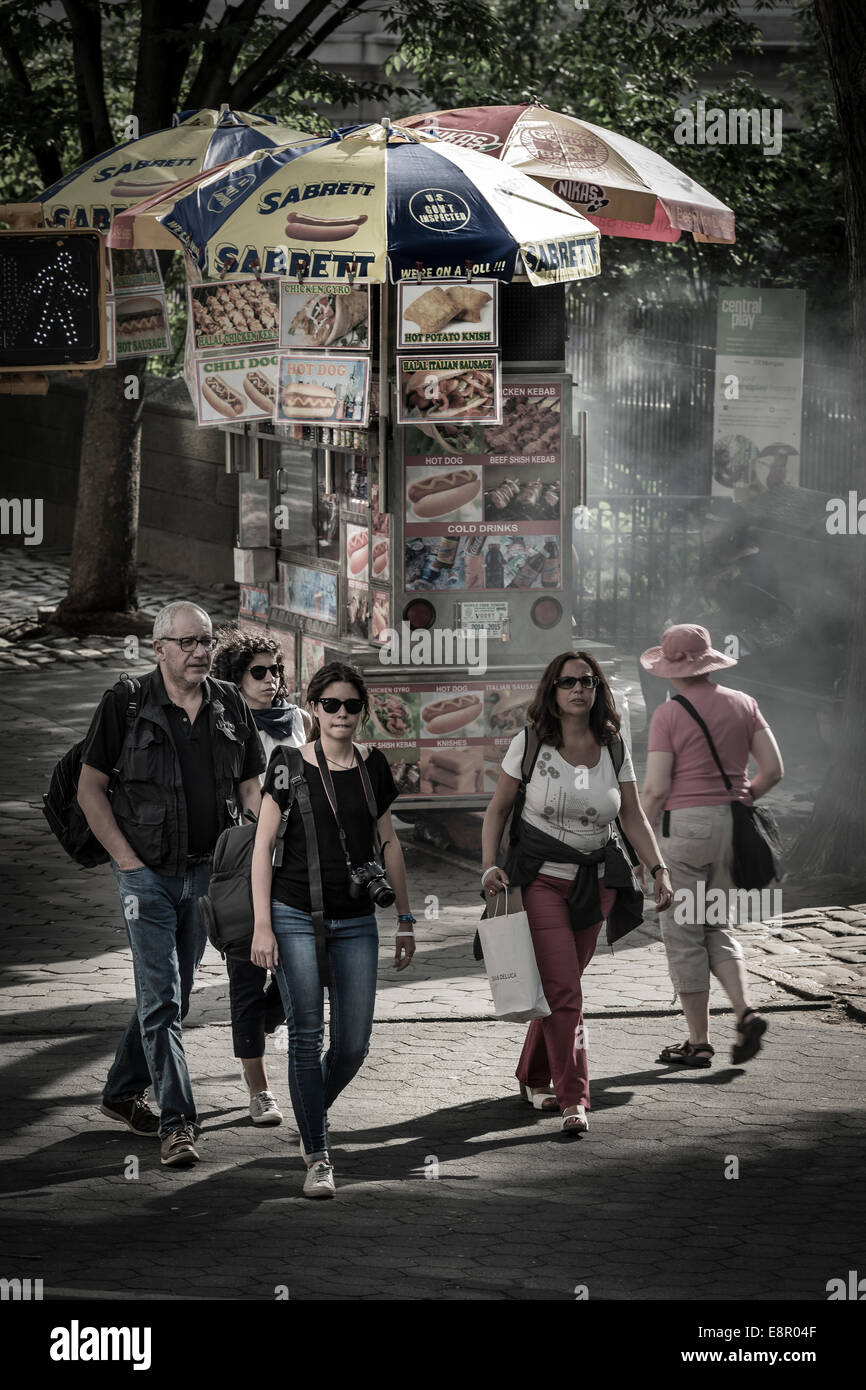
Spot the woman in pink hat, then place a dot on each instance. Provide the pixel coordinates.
(684, 782)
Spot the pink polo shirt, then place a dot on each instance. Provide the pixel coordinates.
(732, 718)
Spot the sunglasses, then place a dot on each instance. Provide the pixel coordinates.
(569, 682)
(258, 673)
(330, 705)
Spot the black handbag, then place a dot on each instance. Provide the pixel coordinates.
(756, 839)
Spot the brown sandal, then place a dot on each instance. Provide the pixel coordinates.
(687, 1054)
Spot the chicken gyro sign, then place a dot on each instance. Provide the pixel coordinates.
(453, 389)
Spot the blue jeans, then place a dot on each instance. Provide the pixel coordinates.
(353, 957)
(167, 938)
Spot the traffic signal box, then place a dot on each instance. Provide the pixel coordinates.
(52, 303)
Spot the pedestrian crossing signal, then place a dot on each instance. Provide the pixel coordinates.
(52, 300)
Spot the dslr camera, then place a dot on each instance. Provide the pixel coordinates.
(372, 877)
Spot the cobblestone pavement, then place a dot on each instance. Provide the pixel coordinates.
(450, 1188)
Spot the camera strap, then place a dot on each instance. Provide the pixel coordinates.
(299, 792)
(328, 784)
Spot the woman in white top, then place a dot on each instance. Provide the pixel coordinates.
(569, 861)
(255, 665)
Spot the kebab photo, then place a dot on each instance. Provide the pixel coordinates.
(513, 499)
(233, 313)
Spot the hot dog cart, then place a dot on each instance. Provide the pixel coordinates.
(436, 557)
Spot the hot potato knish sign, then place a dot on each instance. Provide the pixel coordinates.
(465, 388)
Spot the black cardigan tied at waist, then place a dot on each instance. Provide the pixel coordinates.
(533, 847)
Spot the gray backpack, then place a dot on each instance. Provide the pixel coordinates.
(227, 909)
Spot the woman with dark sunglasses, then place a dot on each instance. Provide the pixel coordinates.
(569, 860)
(350, 790)
(255, 665)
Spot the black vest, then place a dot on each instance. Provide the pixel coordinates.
(149, 803)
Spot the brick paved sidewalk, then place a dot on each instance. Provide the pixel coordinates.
(639, 1208)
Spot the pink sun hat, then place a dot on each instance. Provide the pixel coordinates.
(685, 651)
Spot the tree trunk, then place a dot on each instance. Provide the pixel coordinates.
(833, 842)
(102, 580)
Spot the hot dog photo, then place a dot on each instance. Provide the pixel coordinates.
(437, 494)
(359, 559)
(235, 388)
(141, 324)
(443, 715)
(323, 389)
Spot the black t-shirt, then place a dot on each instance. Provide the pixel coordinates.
(291, 879)
(108, 730)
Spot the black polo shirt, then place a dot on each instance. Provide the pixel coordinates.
(193, 744)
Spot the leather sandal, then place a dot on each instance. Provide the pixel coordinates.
(545, 1100)
(752, 1032)
(688, 1054)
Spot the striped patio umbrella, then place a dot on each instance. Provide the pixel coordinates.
(377, 202)
(623, 188)
(94, 194)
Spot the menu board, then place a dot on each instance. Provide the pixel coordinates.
(483, 504)
(323, 389)
(324, 316)
(141, 325)
(134, 269)
(451, 313)
(237, 314)
(447, 739)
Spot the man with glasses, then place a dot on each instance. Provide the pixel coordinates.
(186, 770)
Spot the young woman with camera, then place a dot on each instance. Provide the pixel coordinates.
(350, 791)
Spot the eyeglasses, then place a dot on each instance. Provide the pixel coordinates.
(569, 682)
(188, 644)
(330, 705)
(258, 673)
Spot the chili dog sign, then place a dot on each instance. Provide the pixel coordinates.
(235, 388)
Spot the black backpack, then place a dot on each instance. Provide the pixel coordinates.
(60, 803)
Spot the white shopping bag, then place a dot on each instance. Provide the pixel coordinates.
(509, 958)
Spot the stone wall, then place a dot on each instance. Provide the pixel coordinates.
(188, 514)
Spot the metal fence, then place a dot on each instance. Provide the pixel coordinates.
(645, 376)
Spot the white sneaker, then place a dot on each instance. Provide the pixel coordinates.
(264, 1109)
(319, 1181)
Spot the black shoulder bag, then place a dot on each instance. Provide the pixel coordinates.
(756, 838)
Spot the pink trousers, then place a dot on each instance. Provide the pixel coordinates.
(555, 1047)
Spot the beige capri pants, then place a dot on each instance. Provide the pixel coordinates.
(699, 854)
